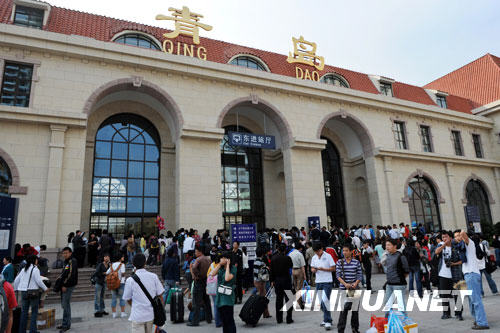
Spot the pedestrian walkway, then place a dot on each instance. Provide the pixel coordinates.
(304, 321)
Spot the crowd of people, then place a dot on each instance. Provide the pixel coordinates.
(411, 258)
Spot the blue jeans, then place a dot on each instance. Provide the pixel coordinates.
(169, 284)
(218, 321)
(26, 304)
(66, 306)
(117, 294)
(130, 256)
(415, 273)
(491, 283)
(473, 281)
(497, 256)
(389, 298)
(99, 298)
(327, 290)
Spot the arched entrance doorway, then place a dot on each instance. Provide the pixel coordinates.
(126, 178)
(349, 146)
(423, 203)
(476, 196)
(242, 183)
(334, 188)
(5, 178)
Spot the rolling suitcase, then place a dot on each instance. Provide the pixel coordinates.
(177, 307)
(254, 307)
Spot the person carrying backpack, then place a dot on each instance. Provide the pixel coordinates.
(115, 281)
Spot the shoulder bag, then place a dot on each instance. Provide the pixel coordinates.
(159, 311)
(32, 293)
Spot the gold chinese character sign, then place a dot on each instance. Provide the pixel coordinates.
(304, 52)
(186, 23)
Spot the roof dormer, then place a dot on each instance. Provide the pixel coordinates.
(30, 13)
(383, 84)
(439, 97)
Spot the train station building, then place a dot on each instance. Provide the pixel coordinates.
(107, 124)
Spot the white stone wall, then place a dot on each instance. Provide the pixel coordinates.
(71, 69)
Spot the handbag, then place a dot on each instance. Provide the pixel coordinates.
(32, 293)
(159, 311)
(491, 266)
(225, 290)
(212, 285)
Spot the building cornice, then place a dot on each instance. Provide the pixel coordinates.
(90, 49)
(434, 157)
(31, 115)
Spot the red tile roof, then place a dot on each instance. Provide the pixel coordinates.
(478, 81)
(72, 22)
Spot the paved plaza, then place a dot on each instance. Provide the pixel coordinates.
(304, 321)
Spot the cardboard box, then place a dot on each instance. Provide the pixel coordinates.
(45, 319)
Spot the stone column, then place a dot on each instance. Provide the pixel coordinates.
(305, 192)
(198, 179)
(53, 186)
(450, 178)
(497, 181)
(391, 192)
(376, 193)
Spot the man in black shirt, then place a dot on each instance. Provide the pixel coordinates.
(237, 259)
(69, 278)
(281, 264)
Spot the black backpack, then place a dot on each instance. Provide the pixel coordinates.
(4, 307)
(479, 251)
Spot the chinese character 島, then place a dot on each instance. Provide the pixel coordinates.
(304, 52)
(186, 23)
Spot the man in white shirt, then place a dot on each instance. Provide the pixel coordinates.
(141, 315)
(394, 233)
(472, 277)
(323, 265)
(189, 244)
(367, 235)
(356, 241)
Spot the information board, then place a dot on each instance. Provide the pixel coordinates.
(246, 235)
(252, 140)
(8, 225)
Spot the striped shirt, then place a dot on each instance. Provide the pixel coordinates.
(257, 264)
(351, 273)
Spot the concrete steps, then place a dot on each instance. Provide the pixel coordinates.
(84, 290)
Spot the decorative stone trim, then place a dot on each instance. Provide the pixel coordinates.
(267, 108)
(16, 187)
(483, 184)
(356, 125)
(144, 87)
(212, 134)
(302, 143)
(429, 178)
(393, 128)
(431, 136)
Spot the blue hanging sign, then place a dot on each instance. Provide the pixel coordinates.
(246, 235)
(252, 140)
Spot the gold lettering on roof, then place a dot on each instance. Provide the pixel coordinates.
(186, 23)
(304, 52)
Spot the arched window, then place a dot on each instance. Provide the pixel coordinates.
(248, 62)
(126, 178)
(477, 196)
(138, 40)
(242, 188)
(423, 204)
(334, 189)
(335, 80)
(5, 179)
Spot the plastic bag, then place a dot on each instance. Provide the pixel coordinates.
(394, 325)
(378, 323)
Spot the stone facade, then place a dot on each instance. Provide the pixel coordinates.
(79, 82)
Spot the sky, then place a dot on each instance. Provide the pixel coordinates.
(410, 41)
